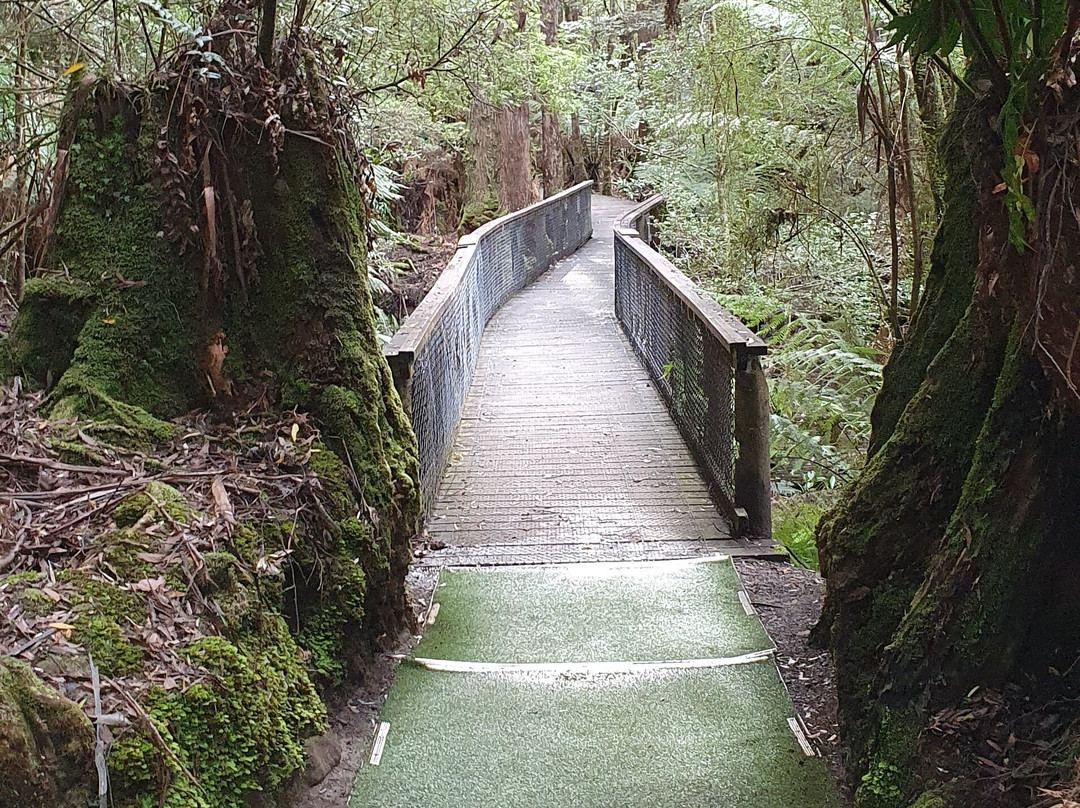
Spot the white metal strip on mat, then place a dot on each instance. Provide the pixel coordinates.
(380, 743)
(589, 567)
(433, 612)
(453, 666)
(800, 736)
(745, 601)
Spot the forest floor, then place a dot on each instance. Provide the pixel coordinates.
(426, 258)
(788, 599)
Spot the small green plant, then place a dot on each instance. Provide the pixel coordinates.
(794, 524)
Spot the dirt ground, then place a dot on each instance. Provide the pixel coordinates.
(789, 600)
(419, 263)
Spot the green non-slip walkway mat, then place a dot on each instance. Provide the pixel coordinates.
(673, 739)
(591, 613)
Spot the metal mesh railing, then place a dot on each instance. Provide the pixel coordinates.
(434, 353)
(699, 356)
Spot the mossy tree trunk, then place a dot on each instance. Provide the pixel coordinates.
(241, 283)
(951, 563)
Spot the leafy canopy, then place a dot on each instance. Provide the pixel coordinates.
(1015, 45)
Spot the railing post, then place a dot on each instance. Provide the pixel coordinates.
(753, 489)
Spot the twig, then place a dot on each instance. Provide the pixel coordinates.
(99, 741)
(48, 463)
(35, 640)
(155, 735)
(61, 493)
(70, 523)
(442, 57)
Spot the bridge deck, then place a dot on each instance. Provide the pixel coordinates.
(639, 685)
(565, 450)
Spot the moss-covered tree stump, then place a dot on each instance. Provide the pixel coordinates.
(46, 744)
(210, 253)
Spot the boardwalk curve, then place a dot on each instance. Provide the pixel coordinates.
(642, 680)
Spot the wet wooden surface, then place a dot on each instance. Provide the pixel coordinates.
(566, 451)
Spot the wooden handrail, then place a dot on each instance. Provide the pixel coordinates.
(726, 327)
(752, 506)
(415, 331)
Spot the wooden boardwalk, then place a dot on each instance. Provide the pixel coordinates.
(565, 451)
(640, 685)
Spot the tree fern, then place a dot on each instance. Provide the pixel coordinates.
(822, 389)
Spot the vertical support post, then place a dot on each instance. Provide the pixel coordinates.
(753, 489)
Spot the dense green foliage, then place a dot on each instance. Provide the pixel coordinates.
(794, 146)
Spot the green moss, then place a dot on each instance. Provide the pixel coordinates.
(976, 598)
(333, 478)
(242, 734)
(135, 353)
(888, 780)
(248, 543)
(120, 551)
(119, 423)
(46, 744)
(51, 314)
(24, 577)
(77, 452)
(938, 798)
(300, 333)
(154, 499)
(241, 730)
(479, 212)
(113, 653)
(951, 278)
(35, 602)
(325, 622)
(134, 766)
(91, 595)
(101, 610)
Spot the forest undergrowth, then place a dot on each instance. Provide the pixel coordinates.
(796, 149)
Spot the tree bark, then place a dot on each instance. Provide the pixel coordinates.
(949, 563)
(267, 30)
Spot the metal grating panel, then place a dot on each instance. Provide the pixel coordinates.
(501, 259)
(691, 367)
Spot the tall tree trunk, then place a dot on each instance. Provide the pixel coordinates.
(551, 153)
(576, 170)
(513, 171)
(551, 139)
(22, 156)
(267, 30)
(949, 565)
(672, 17)
(904, 152)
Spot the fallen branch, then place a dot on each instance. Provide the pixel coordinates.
(8, 557)
(56, 465)
(37, 639)
(155, 734)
